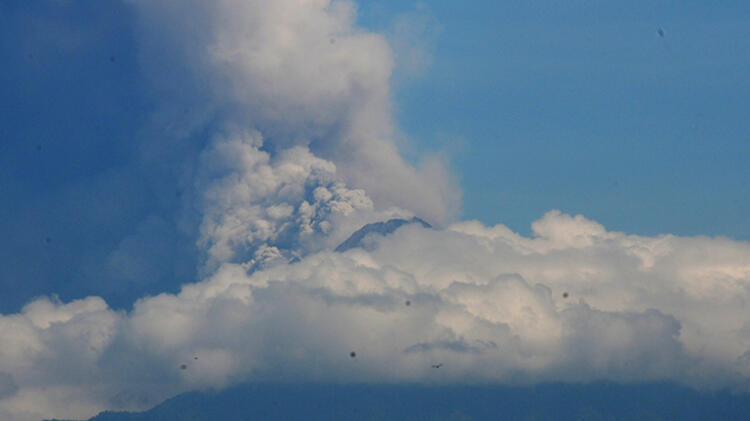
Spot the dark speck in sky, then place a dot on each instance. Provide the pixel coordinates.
(184, 366)
(660, 32)
(48, 240)
(408, 303)
(565, 295)
(195, 358)
(353, 354)
(112, 59)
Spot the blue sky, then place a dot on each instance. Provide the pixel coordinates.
(176, 175)
(582, 106)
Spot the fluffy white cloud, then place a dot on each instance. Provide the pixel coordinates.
(49, 356)
(487, 303)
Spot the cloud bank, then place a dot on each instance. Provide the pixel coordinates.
(299, 152)
(485, 302)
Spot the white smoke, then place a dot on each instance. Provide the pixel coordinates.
(304, 157)
(302, 74)
(257, 208)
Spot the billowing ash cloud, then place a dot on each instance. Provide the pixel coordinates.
(300, 156)
(258, 208)
(302, 74)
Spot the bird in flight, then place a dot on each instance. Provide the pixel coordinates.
(437, 365)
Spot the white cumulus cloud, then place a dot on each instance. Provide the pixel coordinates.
(488, 304)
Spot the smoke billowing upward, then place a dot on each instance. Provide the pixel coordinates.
(272, 68)
(297, 153)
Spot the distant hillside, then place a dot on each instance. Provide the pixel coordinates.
(377, 228)
(558, 402)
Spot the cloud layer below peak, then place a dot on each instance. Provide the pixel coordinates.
(575, 303)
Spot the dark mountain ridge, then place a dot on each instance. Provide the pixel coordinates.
(357, 239)
(558, 402)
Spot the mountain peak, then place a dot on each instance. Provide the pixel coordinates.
(377, 228)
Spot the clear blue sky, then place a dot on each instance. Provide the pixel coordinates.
(582, 106)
